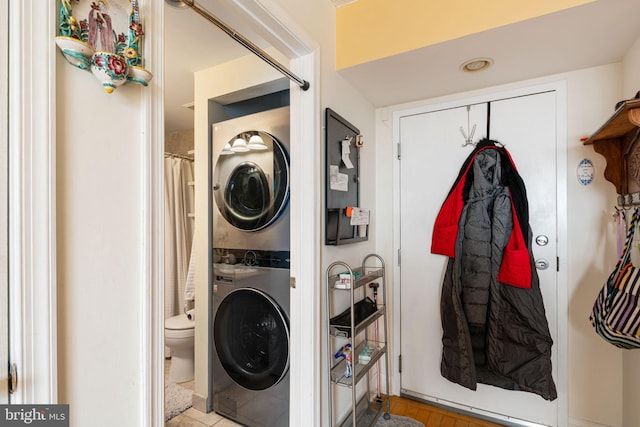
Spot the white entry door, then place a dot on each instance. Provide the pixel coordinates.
(431, 158)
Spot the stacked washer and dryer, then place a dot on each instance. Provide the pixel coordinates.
(251, 268)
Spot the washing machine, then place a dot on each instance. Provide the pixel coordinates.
(250, 181)
(251, 342)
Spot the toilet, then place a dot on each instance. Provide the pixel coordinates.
(178, 336)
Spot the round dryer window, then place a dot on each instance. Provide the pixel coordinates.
(251, 180)
(251, 336)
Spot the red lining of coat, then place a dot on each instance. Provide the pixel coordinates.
(515, 267)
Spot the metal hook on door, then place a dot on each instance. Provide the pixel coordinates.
(468, 135)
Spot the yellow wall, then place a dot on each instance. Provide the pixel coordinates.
(373, 29)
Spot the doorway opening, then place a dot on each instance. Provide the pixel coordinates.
(304, 134)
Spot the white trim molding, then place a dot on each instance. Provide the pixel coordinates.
(576, 422)
(305, 347)
(32, 202)
(152, 179)
(340, 3)
(273, 23)
(4, 199)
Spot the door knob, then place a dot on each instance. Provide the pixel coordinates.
(542, 240)
(542, 264)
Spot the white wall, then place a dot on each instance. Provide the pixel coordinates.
(99, 241)
(631, 79)
(594, 367)
(595, 370)
(318, 20)
(631, 71)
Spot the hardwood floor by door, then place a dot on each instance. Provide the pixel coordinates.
(432, 416)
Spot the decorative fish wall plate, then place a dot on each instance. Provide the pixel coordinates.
(104, 37)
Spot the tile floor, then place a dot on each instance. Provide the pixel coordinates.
(192, 417)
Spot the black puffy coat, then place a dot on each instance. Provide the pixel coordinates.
(494, 326)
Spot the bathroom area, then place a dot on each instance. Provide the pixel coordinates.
(179, 285)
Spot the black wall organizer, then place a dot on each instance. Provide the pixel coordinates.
(338, 228)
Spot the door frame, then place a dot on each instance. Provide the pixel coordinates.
(276, 27)
(494, 94)
(32, 199)
(4, 198)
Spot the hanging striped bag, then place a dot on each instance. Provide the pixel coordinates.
(616, 311)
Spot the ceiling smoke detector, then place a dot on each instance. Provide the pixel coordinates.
(476, 64)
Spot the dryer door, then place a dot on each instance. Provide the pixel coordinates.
(247, 199)
(252, 180)
(251, 336)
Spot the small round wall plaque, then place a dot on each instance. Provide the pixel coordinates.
(585, 172)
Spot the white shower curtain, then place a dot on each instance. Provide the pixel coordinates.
(178, 231)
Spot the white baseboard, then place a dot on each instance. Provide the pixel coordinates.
(199, 403)
(574, 422)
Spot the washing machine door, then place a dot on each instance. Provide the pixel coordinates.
(251, 336)
(252, 180)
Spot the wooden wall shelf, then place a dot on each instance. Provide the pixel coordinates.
(616, 141)
(624, 120)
